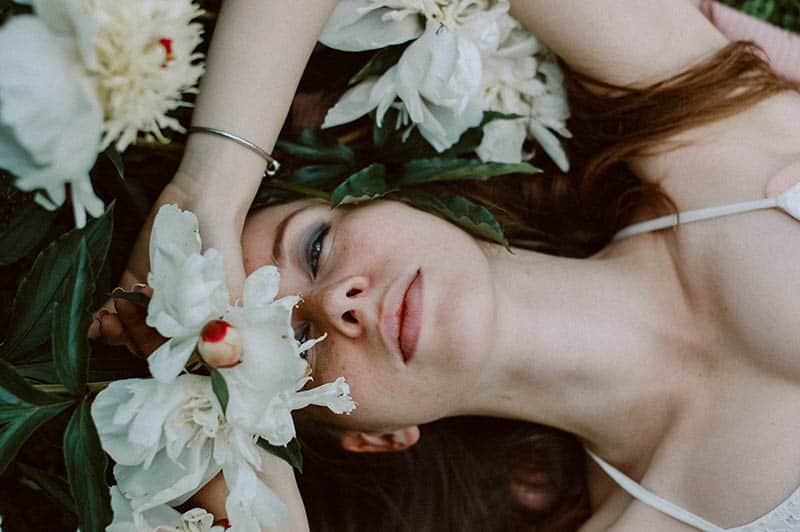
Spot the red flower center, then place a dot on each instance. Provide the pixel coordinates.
(214, 331)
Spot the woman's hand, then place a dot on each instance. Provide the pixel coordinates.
(221, 218)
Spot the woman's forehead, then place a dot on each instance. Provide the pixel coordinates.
(258, 236)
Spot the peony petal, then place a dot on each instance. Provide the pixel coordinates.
(355, 26)
(169, 359)
(261, 286)
(175, 231)
(502, 141)
(251, 505)
(167, 481)
(69, 18)
(550, 144)
(333, 395)
(159, 518)
(353, 104)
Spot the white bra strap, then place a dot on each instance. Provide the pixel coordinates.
(653, 500)
(671, 220)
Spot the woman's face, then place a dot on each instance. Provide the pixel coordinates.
(404, 297)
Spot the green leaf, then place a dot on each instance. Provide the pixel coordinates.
(26, 230)
(461, 211)
(86, 469)
(319, 175)
(489, 116)
(116, 159)
(220, 388)
(421, 171)
(137, 298)
(31, 319)
(56, 487)
(314, 145)
(379, 63)
(23, 409)
(290, 452)
(71, 319)
(366, 184)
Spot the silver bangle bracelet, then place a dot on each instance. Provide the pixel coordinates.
(272, 164)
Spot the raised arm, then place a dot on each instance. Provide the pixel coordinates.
(257, 56)
(624, 42)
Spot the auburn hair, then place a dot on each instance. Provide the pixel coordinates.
(457, 477)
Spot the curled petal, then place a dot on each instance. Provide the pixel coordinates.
(168, 481)
(168, 360)
(550, 144)
(502, 141)
(175, 233)
(333, 395)
(251, 505)
(353, 104)
(261, 286)
(355, 26)
(162, 518)
(130, 415)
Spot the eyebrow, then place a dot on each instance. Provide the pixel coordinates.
(280, 230)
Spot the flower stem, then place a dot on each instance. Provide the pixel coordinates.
(94, 387)
(300, 189)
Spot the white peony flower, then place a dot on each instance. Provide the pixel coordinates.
(438, 81)
(50, 114)
(188, 289)
(145, 63)
(82, 74)
(266, 386)
(169, 440)
(522, 77)
(159, 519)
(169, 436)
(467, 46)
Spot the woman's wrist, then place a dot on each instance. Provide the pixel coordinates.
(220, 172)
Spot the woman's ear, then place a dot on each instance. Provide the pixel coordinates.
(379, 442)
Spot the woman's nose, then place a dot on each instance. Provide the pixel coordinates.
(346, 305)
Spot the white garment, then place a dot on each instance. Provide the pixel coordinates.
(789, 202)
(783, 518)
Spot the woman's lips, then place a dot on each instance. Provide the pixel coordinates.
(411, 320)
(401, 315)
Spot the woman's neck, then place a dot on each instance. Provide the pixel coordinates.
(580, 344)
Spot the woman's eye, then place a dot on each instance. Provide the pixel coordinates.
(314, 247)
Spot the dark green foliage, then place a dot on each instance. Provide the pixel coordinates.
(71, 318)
(26, 230)
(22, 410)
(86, 469)
(395, 162)
(290, 452)
(364, 185)
(220, 388)
(782, 13)
(44, 284)
(469, 216)
(382, 61)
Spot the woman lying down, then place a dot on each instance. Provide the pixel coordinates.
(666, 355)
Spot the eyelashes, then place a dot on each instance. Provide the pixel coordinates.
(314, 246)
(312, 251)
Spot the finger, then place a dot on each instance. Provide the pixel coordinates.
(144, 339)
(111, 329)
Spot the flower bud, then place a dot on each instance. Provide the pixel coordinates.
(220, 344)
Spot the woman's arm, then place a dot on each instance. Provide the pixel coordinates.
(257, 56)
(781, 47)
(624, 42)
